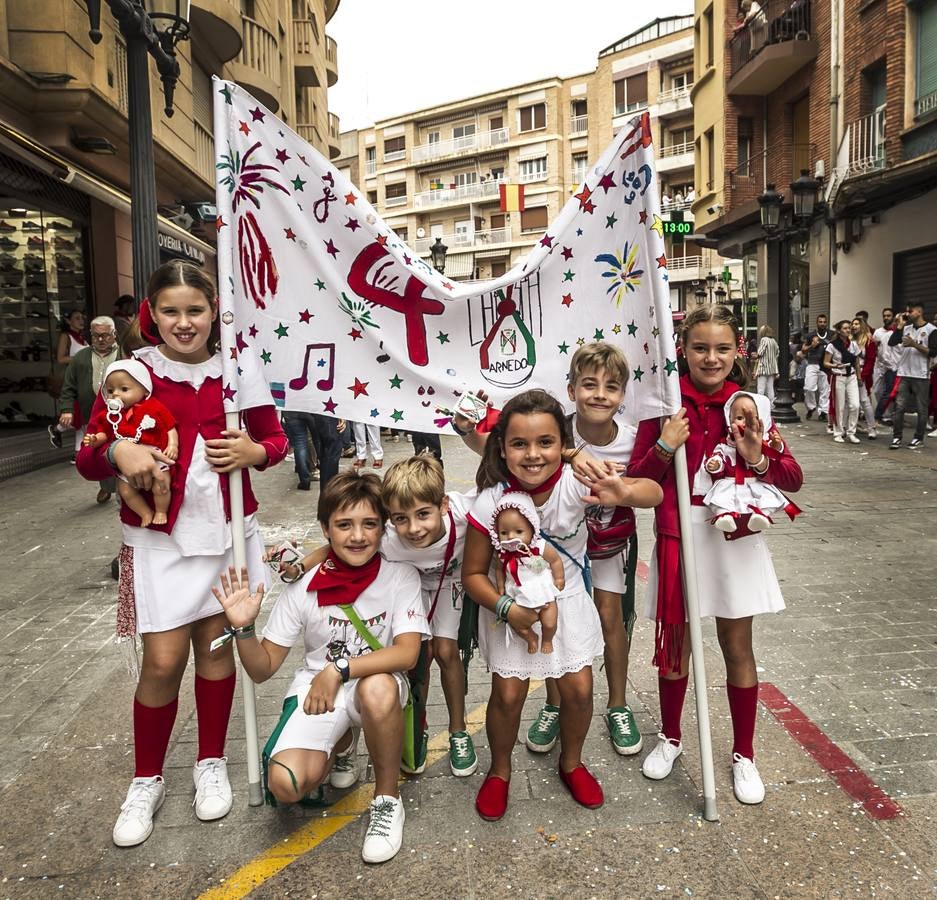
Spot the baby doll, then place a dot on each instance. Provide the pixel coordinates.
(734, 490)
(530, 572)
(133, 414)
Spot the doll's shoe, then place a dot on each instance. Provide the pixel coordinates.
(758, 522)
(725, 523)
(491, 801)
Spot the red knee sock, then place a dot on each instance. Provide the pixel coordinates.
(152, 728)
(743, 705)
(671, 692)
(213, 701)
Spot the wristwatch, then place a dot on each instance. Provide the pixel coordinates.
(343, 668)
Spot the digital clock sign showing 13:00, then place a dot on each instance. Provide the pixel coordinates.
(678, 227)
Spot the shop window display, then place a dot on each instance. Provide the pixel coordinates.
(42, 280)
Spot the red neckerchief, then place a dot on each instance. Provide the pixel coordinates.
(542, 488)
(510, 559)
(79, 337)
(688, 391)
(336, 582)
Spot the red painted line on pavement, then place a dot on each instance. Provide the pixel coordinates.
(837, 764)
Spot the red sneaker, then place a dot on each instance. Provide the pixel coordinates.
(492, 799)
(583, 786)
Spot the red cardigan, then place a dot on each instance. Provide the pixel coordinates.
(197, 412)
(706, 418)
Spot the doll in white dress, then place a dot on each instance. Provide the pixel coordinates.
(730, 487)
(529, 571)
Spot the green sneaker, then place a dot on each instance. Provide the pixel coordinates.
(542, 734)
(420, 766)
(462, 758)
(626, 739)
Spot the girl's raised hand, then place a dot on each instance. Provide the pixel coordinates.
(235, 450)
(241, 607)
(588, 469)
(464, 423)
(676, 430)
(748, 444)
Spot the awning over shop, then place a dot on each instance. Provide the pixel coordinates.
(460, 265)
(493, 254)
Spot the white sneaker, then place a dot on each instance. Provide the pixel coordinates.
(746, 782)
(135, 822)
(212, 791)
(839, 439)
(758, 522)
(853, 439)
(659, 762)
(385, 830)
(345, 768)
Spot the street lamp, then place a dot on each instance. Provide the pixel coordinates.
(782, 229)
(700, 294)
(720, 294)
(438, 253)
(710, 283)
(138, 27)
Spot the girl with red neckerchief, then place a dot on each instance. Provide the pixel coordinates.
(167, 571)
(736, 578)
(523, 454)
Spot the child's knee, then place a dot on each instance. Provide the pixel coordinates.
(446, 652)
(378, 695)
(281, 785)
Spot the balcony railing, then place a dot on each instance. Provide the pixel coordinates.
(370, 168)
(535, 175)
(577, 176)
(396, 201)
(867, 144)
(925, 105)
(674, 204)
(777, 22)
(579, 124)
(467, 239)
(394, 155)
(310, 134)
(676, 149)
(304, 37)
(682, 263)
(481, 140)
(677, 93)
(622, 109)
(204, 153)
(259, 51)
(461, 193)
(334, 128)
(331, 60)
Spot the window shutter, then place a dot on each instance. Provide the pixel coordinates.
(534, 219)
(927, 48)
(637, 90)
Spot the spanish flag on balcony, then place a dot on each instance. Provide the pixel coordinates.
(512, 197)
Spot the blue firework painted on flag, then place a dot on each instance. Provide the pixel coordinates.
(622, 271)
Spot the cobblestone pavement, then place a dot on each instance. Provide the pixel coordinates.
(856, 652)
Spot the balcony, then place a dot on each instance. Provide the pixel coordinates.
(331, 60)
(675, 157)
(463, 193)
(684, 268)
(531, 177)
(674, 101)
(669, 206)
(464, 239)
(257, 66)
(370, 168)
(395, 201)
(577, 176)
(579, 124)
(217, 23)
(395, 156)
(865, 139)
(204, 153)
(335, 137)
(469, 143)
(310, 134)
(305, 47)
(770, 47)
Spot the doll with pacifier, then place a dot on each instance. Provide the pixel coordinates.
(740, 501)
(131, 413)
(529, 571)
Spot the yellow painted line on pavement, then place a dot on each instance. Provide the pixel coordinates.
(347, 810)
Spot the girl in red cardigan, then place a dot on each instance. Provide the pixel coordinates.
(167, 571)
(736, 578)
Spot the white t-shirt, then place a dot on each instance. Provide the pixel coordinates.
(837, 366)
(912, 363)
(392, 604)
(887, 357)
(562, 517)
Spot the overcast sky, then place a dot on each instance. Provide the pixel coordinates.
(391, 63)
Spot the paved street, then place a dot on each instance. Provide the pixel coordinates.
(855, 653)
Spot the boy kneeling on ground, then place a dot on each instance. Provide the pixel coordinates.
(350, 603)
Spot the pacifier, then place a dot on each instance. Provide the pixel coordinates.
(514, 545)
(114, 405)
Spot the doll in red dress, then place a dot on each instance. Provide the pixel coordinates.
(132, 414)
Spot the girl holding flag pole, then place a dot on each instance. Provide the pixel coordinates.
(167, 571)
(736, 577)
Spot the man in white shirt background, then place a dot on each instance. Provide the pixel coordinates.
(916, 339)
(886, 364)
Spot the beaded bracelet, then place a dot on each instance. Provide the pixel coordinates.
(456, 428)
(666, 447)
(503, 607)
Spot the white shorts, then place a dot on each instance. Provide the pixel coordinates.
(609, 574)
(448, 612)
(324, 731)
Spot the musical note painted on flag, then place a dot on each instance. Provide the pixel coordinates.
(323, 384)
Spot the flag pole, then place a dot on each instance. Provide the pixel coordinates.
(255, 795)
(691, 593)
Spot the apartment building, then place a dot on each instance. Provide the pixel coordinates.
(65, 236)
(437, 172)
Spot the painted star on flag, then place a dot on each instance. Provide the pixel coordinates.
(359, 388)
(563, 348)
(661, 261)
(670, 365)
(226, 93)
(567, 300)
(220, 223)
(567, 253)
(281, 331)
(396, 381)
(305, 316)
(443, 338)
(546, 241)
(354, 334)
(282, 155)
(257, 114)
(616, 329)
(606, 182)
(352, 225)
(397, 415)
(298, 183)
(240, 342)
(632, 329)
(244, 128)
(329, 405)
(642, 217)
(266, 356)
(350, 199)
(228, 392)
(599, 335)
(290, 234)
(610, 221)
(585, 204)
(320, 284)
(657, 225)
(374, 413)
(568, 275)
(252, 331)
(331, 249)
(638, 374)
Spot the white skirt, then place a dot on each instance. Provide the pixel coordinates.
(736, 578)
(727, 496)
(172, 590)
(578, 641)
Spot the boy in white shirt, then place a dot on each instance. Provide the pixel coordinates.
(350, 603)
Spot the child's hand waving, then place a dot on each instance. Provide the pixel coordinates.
(241, 607)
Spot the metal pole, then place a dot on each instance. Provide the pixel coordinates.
(142, 167)
(783, 395)
(691, 594)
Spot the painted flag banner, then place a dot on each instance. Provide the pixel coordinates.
(324, 303)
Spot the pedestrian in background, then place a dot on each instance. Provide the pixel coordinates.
(426, 442)
(125, 311)
(313, 435)
(886, 365)
(816, 382)
(766, 369)
(841, 361)
(367, 435)
(865, 363)
(917, 340)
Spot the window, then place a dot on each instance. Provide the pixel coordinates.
(800, 136)
(681, 138)
(744, 152)
(463, 179)
(681, 81)
(709, 140)
(496, 122)
(580, 161)
(248, 9)
(370, 160)
(463, 131)
(631, 93)
(925, 101)
(398, 189)
(496, 221)
(372, 197)
(710, 56)
(534, 219)
(533, 117)
(579, 107)
(497, 173)
(401, 233)
(498, 268)
(395, 148)
(464, 232)
(533, 169)
(432, 137)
